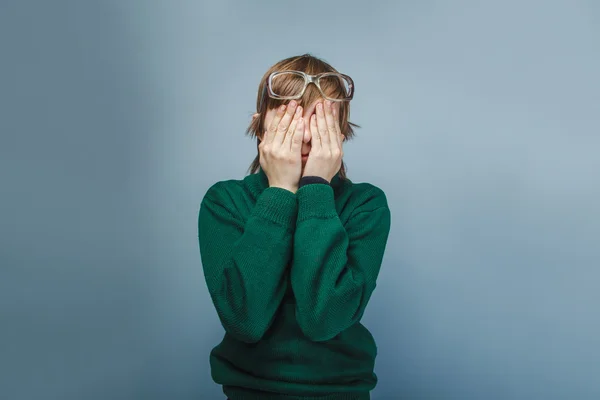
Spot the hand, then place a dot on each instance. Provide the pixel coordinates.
(280, 150)
(325, 157)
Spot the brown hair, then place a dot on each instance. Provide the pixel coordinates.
(310, 65)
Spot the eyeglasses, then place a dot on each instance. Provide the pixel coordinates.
(290, 85)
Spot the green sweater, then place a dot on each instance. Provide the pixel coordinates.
(290, 276)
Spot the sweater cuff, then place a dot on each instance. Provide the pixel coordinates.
(278, 205)
(306, 180)
(316, 201)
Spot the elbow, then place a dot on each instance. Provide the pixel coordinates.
(321, 324)
(316, 329)
(245, 332)
(245, 322)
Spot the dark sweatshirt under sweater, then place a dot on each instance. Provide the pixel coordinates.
(290, 275)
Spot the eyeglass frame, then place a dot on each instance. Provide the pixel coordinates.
(308, 79)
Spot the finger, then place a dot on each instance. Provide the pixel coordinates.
(336, 126)
(290, 133)
(292, 127)
(272, 129)
(284, 124)
(322, 126)
(297, 137)
(330, 121)
(314, 130)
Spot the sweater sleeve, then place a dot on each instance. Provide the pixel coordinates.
(244, 263)
(335, 266)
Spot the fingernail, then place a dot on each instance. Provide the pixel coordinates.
(282, 107)
(320, 106)
(292, 103)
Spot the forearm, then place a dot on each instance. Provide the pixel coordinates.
(335, 266)
(329, 291)
(245, 263)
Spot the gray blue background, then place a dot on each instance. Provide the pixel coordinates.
(480, 120)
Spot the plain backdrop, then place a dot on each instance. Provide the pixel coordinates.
(480, 120)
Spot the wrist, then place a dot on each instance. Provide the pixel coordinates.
(292, 189)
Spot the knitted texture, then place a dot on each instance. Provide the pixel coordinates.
(290, 276)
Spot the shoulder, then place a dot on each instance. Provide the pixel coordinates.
(364, 196)
(364, 206)
(224, 192)
(236, 195)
